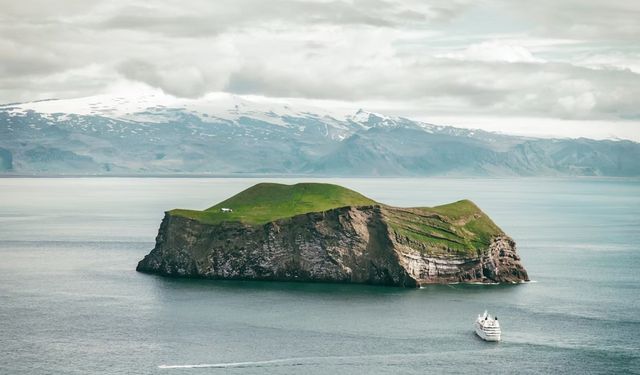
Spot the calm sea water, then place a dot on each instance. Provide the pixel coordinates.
(72, 303)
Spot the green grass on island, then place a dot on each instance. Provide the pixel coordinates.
(267, 202)
(459, 228)
(454, 229)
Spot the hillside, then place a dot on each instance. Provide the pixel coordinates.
(267, 202)
(458, 228)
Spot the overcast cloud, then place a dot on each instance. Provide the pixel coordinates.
(572, 60)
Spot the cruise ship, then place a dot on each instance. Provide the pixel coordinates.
(487, 327)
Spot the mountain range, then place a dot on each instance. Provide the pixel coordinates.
(223, 134)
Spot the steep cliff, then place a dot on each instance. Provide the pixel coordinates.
(366, 242)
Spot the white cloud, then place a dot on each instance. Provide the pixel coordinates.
(609, 59)
(569, 60)
(494, 51)
(596, 20)
(578, 105)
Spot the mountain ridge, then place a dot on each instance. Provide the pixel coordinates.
(227, 135)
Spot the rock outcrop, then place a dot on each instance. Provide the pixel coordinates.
(373, 244)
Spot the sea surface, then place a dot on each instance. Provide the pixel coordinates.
(71, 301)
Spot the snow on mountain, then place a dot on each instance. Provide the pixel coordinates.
(154, 106)
(137, 106)
(151, 132)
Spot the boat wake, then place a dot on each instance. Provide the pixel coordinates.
(289, 361)
(298, 361)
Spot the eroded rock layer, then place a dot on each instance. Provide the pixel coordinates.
(358, 244)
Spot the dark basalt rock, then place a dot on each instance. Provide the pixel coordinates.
(345, 245)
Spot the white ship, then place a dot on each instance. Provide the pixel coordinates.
(487, 327)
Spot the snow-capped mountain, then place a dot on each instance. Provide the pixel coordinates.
(155, 133)
(155, 107)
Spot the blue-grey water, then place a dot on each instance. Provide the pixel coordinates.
(72, 303)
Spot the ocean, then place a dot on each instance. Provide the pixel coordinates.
(71, 301)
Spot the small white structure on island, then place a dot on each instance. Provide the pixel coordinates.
(225, 209)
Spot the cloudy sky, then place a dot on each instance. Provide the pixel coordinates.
(546, 67)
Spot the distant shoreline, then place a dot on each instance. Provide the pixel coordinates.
(156, 176)
(314, 176)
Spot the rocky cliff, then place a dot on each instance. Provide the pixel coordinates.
(373, 244)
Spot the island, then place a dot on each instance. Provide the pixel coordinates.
(318, 232)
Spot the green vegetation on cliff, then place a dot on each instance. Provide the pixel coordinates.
(455, 229)
(267, 202)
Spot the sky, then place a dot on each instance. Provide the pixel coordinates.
(566, 68)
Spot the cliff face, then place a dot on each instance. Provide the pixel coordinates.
(359, 244)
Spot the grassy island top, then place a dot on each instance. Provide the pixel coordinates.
(451, 229)
(267, 202)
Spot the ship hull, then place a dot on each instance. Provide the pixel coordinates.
(487, 336)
